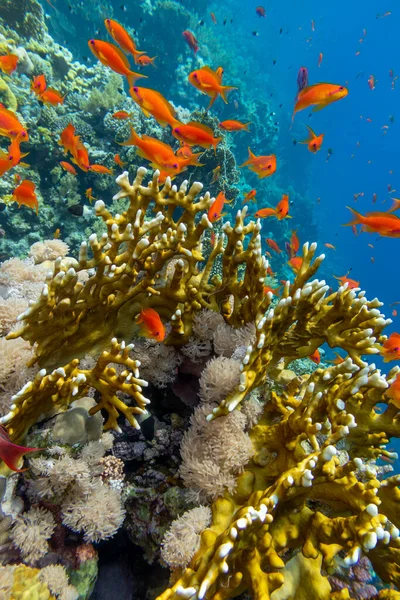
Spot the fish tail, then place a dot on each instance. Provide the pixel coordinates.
(357, 220)
(246, 126)
(225, 89)
(249, 160)
(132, 140)
(132, 77)
(215, 144)
(136, 53)
(395, 205)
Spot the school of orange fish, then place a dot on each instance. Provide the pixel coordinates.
(170, 163)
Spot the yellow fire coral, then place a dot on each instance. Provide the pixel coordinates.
(56, 390)
(142, 262)
(303, 320)
(307, 496)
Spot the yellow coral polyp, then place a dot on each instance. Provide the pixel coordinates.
(27, 586)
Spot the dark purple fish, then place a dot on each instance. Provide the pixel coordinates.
(302, 78)
(289, 250)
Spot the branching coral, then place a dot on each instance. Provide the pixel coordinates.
(303, 320)
(58, 389)
(300, 493)
(128, 270)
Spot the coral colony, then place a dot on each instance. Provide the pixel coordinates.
(155, 379)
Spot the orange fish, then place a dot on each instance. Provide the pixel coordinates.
(315, 357)
(160, 154)
(68, 167)
(250, 196)
(152, 326)
(153, 103)
(191, 40)
(118, 160)
(216, 173)
(39, 84)
(394, 391)
(50, 96)
(68, 139)
(295, 263)
(386, 224)
(394, 313)
(352, 283)
(337, 360)
(215, 210)
(232, 125)
(14, 151)
(272, 244)
(331, 246)
(11, 453)
(294, 242)
(185, 151)
(319, 95)
(214, 19)
(208, 82)
(57, 233)
(264, 166)
(391, 348)
(121, 115)
(25, 194)
(88, 194)
(371, 82)
(123, 39)
(6, 162)
(8, 63)
(274, 291)
(112, 57)
(100, 169)
(314, 142)
(145, 61)
(320, 57)
(10, 126)
(282, 208)
(196, 134)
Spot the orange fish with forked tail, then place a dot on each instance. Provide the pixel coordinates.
(51, 96)
(264, 166)
(25, 194)
(319, 95)
(233, 125)
(215, 211)
(38, 84)
(209, 82)
(160, 154)
(10, 126)
(145, 61)
(280, 212)
(315, 357)
(384, 223)
(351, 283)
(123, 39)
(152, 326)
(391, 348)
(394, 391)
(112, 57)
(295, 263)
(314, 142)
(8, 63)
(196, 134)
(153, 103)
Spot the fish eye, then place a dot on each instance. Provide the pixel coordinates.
(341, 88)
(176, 166)
(195, 75)
(136, 89)
(91, 42)
(269, 166)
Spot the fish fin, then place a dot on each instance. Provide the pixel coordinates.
(225, 89)
(24, 164)
(131, 141)
(246, 126)
(132, 77)
(395, 205)
(356, 218)
(213, 99)
(311, 134)
(319, 107)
